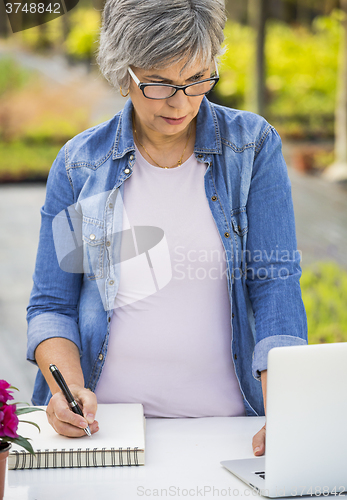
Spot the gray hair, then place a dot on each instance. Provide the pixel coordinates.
(157, 33)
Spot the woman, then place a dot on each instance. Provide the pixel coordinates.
(167, 236)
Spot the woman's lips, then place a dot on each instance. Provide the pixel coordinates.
(174, 121)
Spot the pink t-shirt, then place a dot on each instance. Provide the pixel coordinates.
(170, 334)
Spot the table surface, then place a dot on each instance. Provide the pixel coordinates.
(182, 460)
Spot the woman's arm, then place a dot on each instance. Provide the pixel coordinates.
(273, 261)
(53, 332)
(273, 269)
(52, 309)
(65, 355)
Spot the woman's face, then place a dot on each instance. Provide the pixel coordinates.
(172, 115)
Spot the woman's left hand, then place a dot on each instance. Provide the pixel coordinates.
(258, 442)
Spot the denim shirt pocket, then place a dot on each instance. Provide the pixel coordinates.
(239, 222)
(93, 234)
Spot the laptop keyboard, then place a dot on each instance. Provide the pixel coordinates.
(260, 474)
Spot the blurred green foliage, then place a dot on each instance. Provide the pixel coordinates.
(12, 75)
(45, 36)
(20, 161)
(81, 42)
(236, 65)
(301, 71)
(36, 119)
(56, 130)
(301, 66)
(324, 292)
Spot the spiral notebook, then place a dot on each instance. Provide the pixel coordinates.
(120, 441)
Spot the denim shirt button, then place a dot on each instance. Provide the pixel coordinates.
(131, 157)
(127, 171)
(232, 315)
(226, 235)
(111, 282)
(101, 357)
(110, 205)
(235, 356)
(92, 236)
(214, 198)
(108, 243)
(200, 156)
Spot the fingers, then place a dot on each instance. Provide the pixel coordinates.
(258, 442)
(87, 400)
(65, 421)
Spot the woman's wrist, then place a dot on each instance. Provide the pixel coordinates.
(65, 355)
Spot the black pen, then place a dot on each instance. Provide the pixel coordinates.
(67, 393)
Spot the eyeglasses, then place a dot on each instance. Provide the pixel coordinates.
(164, 90)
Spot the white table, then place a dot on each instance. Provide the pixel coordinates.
(182, 460)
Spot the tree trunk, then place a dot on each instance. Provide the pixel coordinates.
(65, 22)
(302, 13)
(338, 170)
(3, 21)
(257, 14)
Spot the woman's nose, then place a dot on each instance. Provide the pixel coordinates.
(178, 100)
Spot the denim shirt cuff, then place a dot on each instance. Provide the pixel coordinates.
(263, 347)
(49, 325)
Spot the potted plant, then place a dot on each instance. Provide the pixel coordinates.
(8, 428)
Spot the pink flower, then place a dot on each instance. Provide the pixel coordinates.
(8, 421)
(5, 395)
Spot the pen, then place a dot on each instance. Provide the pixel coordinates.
(67, 393)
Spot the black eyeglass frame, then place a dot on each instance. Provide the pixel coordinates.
(175, 88)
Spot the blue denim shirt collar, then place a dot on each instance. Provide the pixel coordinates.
(208, 139)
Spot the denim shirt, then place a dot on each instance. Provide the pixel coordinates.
(249, 195)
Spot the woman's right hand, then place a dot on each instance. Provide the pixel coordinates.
(65, 421)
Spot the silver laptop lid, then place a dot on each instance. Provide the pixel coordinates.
(306, 439)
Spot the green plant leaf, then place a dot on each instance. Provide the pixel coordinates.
(14, 388)
(21, 411)
(31, 423)
(23, 442)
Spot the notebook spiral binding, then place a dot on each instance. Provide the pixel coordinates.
(90, 457)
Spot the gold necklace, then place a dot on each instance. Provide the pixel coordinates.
(173, 166)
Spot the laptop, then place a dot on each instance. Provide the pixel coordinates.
(306, 425)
